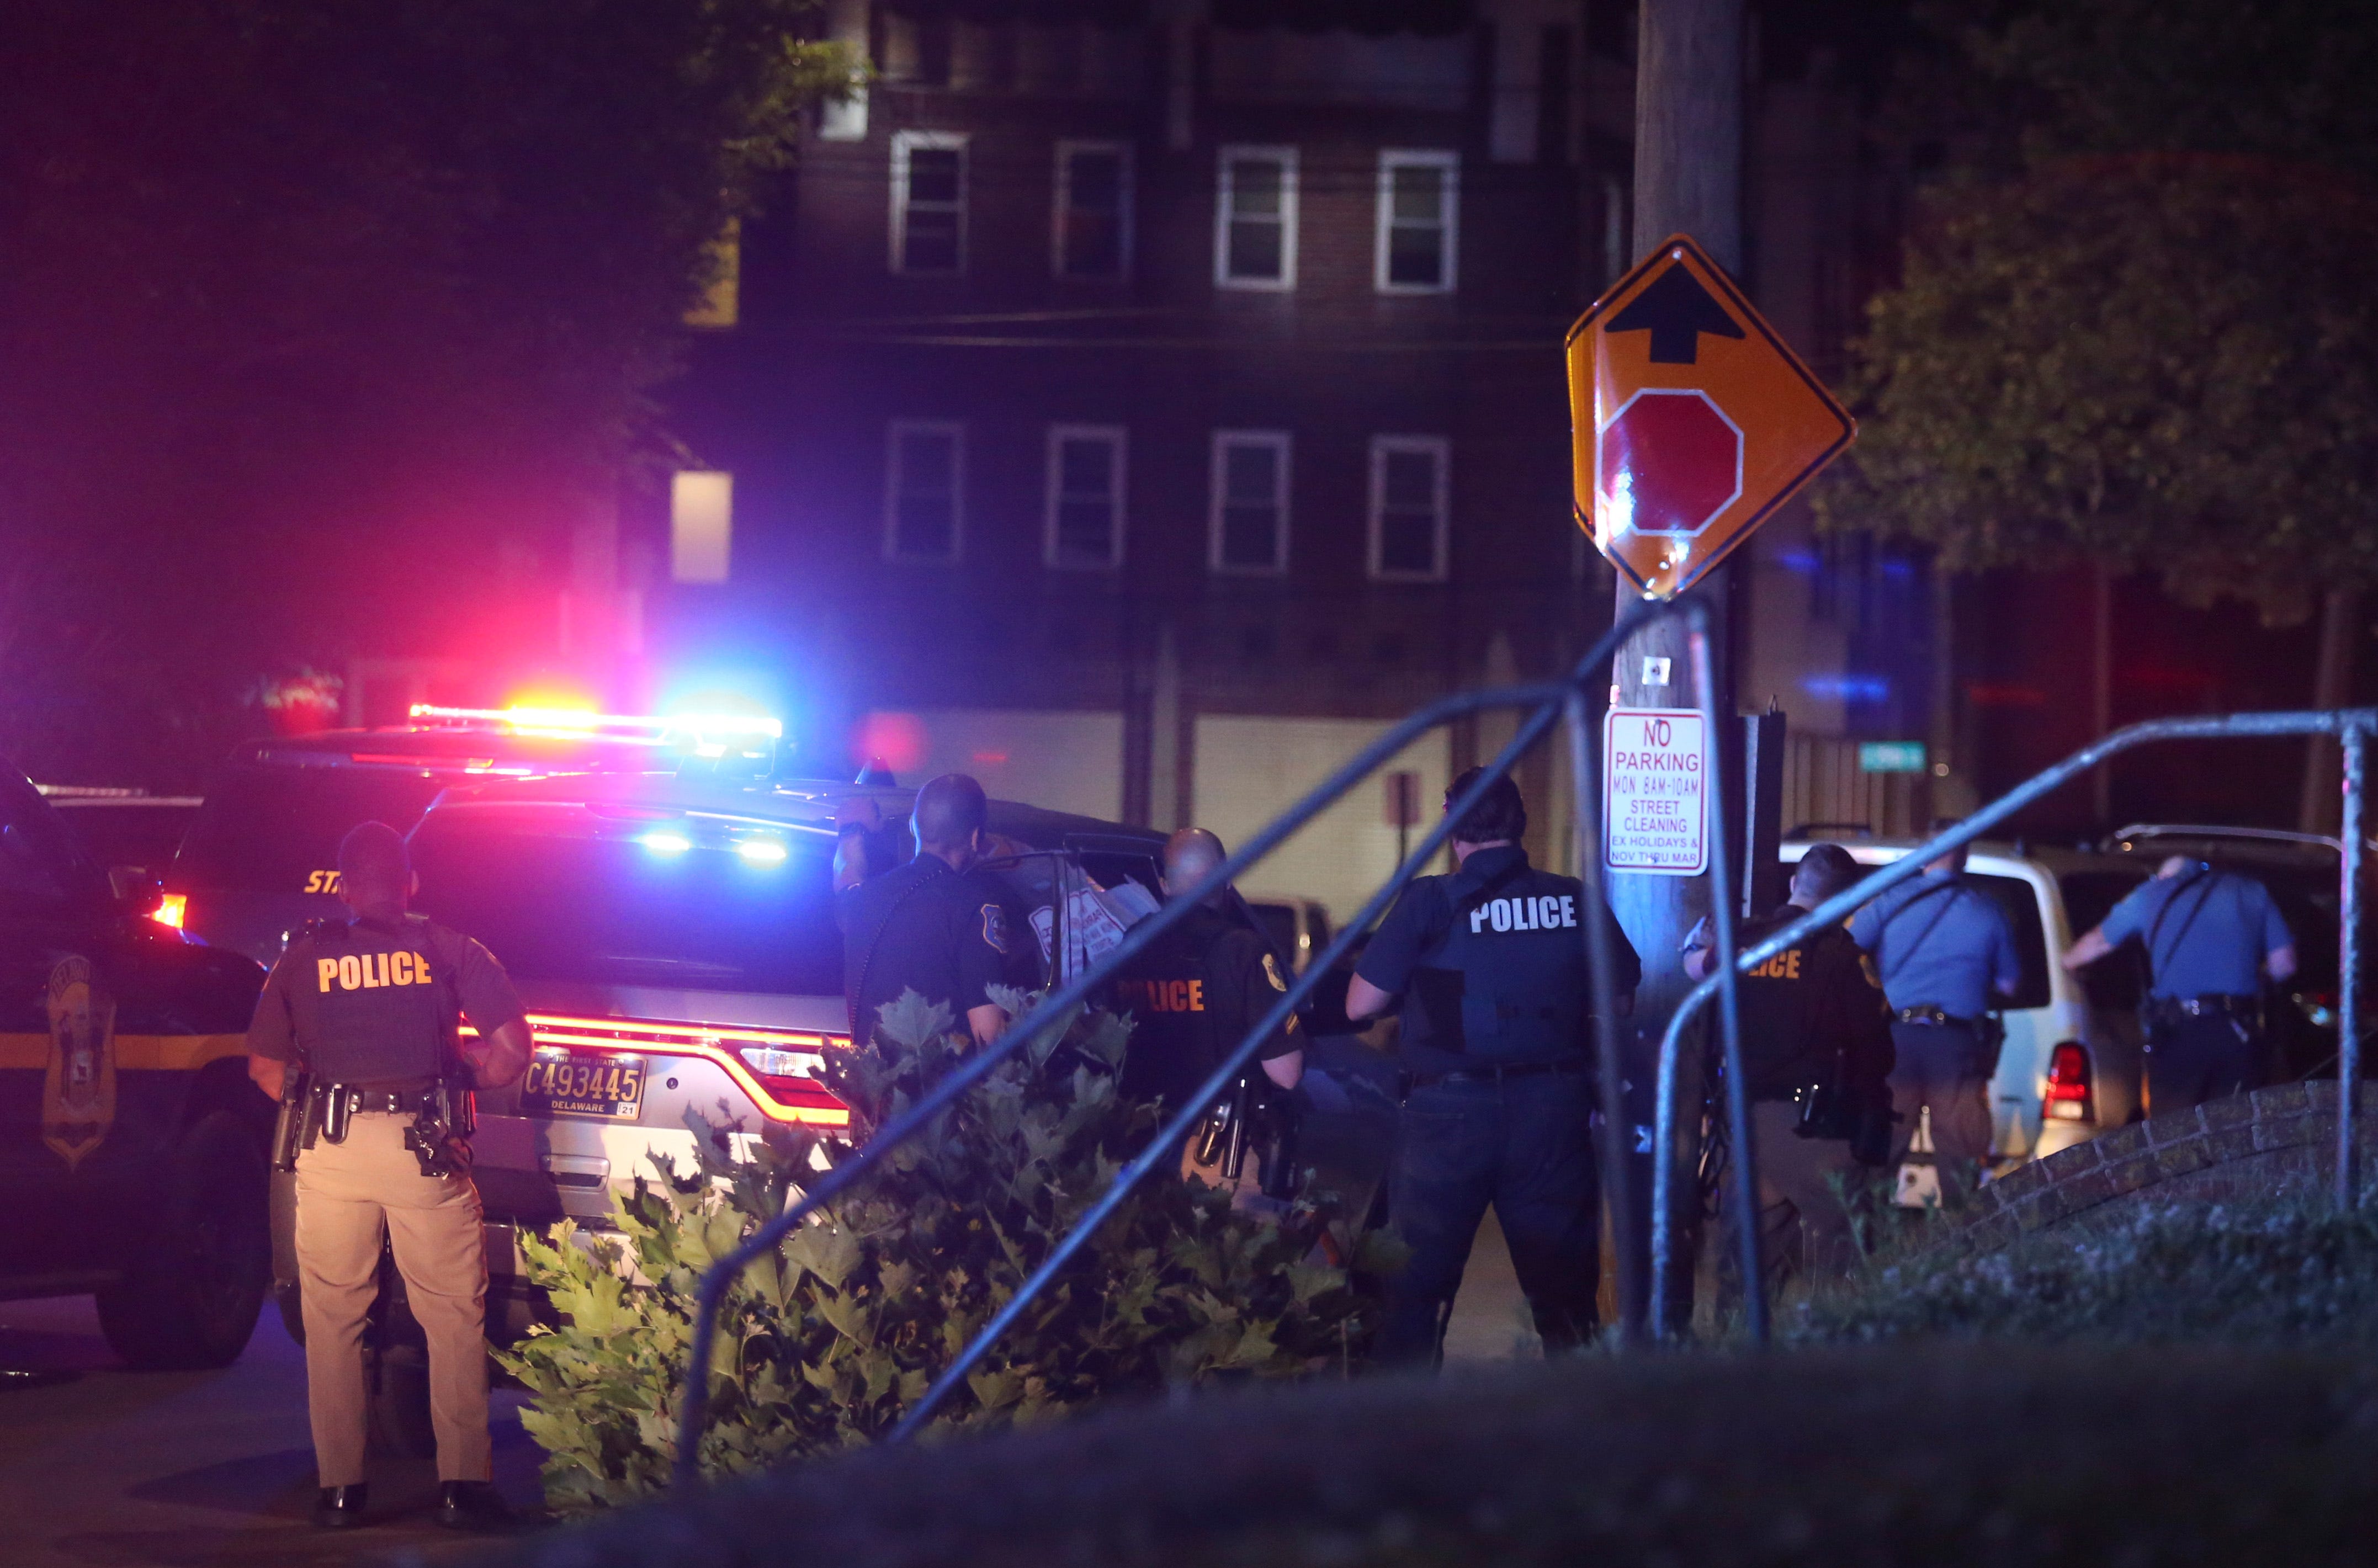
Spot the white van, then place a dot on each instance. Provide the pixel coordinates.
(2071, 1064)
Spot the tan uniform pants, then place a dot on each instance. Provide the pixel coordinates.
(346, 1194)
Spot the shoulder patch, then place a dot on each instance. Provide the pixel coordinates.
(1271, 971)
(994, 929)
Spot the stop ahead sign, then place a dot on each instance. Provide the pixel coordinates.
(1691, 422)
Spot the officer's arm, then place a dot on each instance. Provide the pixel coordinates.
(986, 1022)
(1365, 1000)
(2088, 950)
(2281, 961)
(271, 1037)
(856, 821)
(2278, 942)
(268, 1073)
(501, 1056)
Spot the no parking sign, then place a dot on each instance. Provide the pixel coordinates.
(1655, 773)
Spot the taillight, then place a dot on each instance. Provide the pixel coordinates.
(2068, 1097)
(171, 910)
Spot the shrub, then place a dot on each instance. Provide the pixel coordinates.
(2286, 1271)
(824, 1344)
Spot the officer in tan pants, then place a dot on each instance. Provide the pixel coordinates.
(370, 1008)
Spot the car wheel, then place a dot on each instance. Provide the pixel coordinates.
(401, 1427)
(197, 1287)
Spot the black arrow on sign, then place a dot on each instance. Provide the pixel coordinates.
(1675, 310)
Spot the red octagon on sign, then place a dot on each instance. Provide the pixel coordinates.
(1669, 461)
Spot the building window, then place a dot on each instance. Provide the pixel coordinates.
(1093, 238)
(1254, 219)
(702, 526)
(925, 479)
(1248, 531)
(1419, 224)
(1085, 488)
(1410, 508)
(928, 188)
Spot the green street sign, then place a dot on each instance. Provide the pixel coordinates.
(1890, 756)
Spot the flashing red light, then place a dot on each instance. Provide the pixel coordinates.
(171, 910)
(898, 738)
(2070, 1095)
(764, 1063)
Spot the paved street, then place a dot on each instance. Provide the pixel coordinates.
(126, 1469)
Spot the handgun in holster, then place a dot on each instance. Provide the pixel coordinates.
(1254, 1116)
(449, 1113)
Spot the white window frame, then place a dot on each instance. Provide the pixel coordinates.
(955, 430)
(1128, 194)
(1439, 449)
(903, 144)
(1283, 445)
(1286, 158)
(1447, 163)
(1118, 441)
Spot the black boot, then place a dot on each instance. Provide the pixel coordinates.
(472, 1505)
(340, 1508)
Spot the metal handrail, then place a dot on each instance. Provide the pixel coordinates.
(2354, 725)
(1056, 1008)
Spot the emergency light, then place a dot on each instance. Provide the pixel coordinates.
(706, 733)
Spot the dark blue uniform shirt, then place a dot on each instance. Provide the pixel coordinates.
(2207, 931)
(1489, 962)
(946, 935)
(1941, 942)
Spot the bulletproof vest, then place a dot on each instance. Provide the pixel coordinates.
(1776, 1052)
(1179, 1016)
(1507, 980)
(373, 1001)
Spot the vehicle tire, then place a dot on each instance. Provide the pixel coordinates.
(197, 1286)
(401, 1428)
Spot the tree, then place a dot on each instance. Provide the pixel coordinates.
(320, 314)
(2164, 362)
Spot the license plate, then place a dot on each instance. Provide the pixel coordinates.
(583, 1083)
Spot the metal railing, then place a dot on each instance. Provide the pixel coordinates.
(1549, 700)
(2352, 725)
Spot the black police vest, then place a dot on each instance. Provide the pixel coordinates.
(1506, 981)
(1179, 1016)
(1777, 1055)
(376, 1003)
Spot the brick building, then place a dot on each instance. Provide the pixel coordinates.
(1139, 404)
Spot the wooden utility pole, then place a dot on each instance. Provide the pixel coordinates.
(1688, 81)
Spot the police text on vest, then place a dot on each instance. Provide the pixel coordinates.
(1547, 912)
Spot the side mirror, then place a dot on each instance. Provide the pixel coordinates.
(134, 885)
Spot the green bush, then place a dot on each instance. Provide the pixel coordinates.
(2285, 1271)
(824, 1344)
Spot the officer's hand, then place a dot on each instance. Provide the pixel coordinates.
(863, 811)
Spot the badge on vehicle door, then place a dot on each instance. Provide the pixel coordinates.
(78, 1093)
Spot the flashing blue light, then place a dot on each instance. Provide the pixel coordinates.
(1848, 687)
(666, 844)
(761, 851)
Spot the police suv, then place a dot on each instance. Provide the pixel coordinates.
(674, 939)
(132, 1145)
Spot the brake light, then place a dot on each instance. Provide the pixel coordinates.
(171, 910)
(2068, 1096)
(781, 1071)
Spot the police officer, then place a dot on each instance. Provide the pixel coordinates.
(1497, 1048)
(1946, 956)
(369, 1009)
(2210, 934)
(934, 926)
(1198, 990)
(1817, 1060)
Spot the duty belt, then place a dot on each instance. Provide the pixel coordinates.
(1929, 1014)
(2214, 1004)
(1497, 1074)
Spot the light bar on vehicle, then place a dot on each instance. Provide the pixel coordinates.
(649, 729)
(726, 1046)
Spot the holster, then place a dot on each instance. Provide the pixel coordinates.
(290, 1123)
(448, 1115)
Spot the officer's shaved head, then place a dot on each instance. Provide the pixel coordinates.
(1190, 856)
(373, 869)
(1501, 816)
(1825, 870)
(949, 812)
